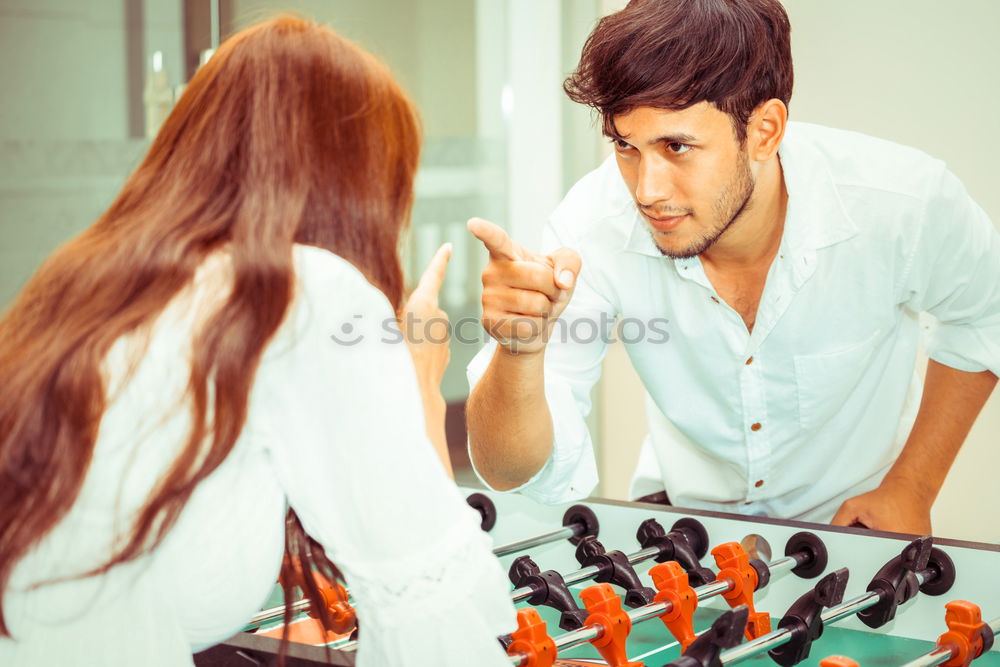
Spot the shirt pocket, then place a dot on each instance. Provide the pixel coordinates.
(825, 381)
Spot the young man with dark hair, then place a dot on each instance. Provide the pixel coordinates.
(786, 265)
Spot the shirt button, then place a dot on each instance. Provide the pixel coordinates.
(759, 483)
(755, 427)
(749, 361)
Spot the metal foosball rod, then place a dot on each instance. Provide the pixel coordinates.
(947, 650)
(480, 502)
(782, 636)
(966, 639)
(274, 613)
(920, 567)
(657, 609)
(936, 657)
(587, 573)
(777, 566)
(813, 558)
(685, 543)
(332, 595)
(578, 522)
(596, 631)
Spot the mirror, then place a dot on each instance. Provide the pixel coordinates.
(76, 113)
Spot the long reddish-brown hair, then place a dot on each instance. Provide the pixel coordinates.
(289, 134)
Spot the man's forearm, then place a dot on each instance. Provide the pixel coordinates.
(952, 400)
(510, 427)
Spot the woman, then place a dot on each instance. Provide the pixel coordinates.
(217, 347)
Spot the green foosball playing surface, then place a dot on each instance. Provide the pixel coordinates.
(651, 643)
(526, 529)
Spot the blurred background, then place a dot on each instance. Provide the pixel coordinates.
(85, 84)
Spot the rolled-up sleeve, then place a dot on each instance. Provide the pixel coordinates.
(572, 367)
(954, 274)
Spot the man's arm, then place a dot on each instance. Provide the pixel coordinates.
(953, 273)
(510, 428)
(952, 400)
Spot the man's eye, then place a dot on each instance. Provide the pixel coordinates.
(621, 145)
(678, 148)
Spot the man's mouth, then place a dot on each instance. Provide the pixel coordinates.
(664, 224)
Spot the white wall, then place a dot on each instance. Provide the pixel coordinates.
(919, 72)
(923, 73)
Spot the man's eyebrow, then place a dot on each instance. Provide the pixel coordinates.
(676, 138)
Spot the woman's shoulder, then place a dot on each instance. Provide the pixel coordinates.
(324, 276)
(313, 263)
(332, 296)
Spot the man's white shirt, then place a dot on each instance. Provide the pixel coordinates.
(815, 404)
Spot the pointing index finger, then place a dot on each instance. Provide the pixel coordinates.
(433, 276)
(495, 239)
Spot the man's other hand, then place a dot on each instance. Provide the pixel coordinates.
(886, 508)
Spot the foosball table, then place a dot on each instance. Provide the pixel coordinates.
(631, 584)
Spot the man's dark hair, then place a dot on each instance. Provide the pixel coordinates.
(673, 54)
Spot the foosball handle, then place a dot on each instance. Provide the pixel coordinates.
(803, 619)
(606, 610)
(809, 549)
(549, 590)
(613, 567)
(672, 586)
(686, 543)
(735, 567)
(968, 636)
(583, 521)
(487, 510)
(532, 640)
(897, 581)
(725, 632)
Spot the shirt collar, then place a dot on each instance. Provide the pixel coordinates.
(639, 239)
(815, 217)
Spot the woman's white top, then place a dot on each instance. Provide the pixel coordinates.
(335, 429)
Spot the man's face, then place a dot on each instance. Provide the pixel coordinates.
(689, 177)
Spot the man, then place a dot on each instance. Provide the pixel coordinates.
(789, 264)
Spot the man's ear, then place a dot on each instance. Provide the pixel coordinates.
(766, 129)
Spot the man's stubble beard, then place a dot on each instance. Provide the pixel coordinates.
(732, 202)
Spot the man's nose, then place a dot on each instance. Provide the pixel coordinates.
(655, 182)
